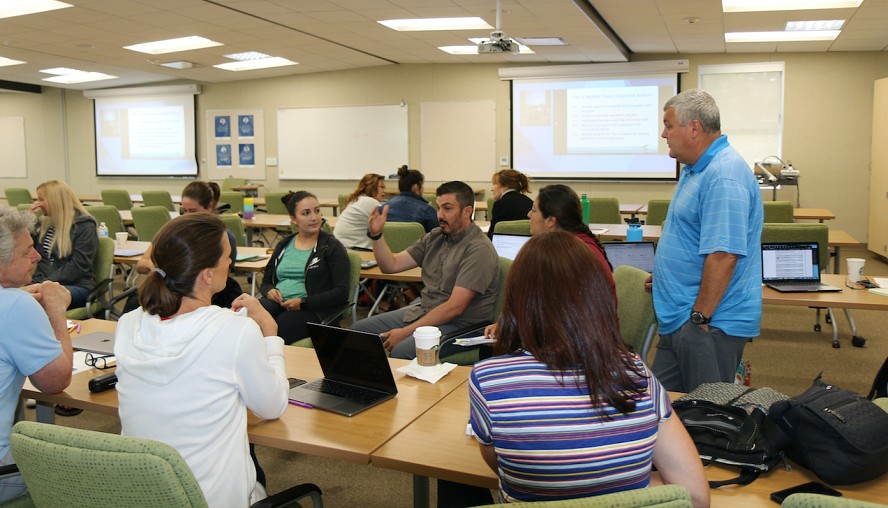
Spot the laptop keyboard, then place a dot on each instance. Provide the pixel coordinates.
(351, 392)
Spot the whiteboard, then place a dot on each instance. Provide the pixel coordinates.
(458, 140)
(341, 143)
(12, 147)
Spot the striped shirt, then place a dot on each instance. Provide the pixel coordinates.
(551, 442)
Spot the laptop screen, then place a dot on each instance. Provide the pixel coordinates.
(507, 246)
(790, 261)
(353, 357)
(636, 254)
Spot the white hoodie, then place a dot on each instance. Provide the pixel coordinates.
(188, 381)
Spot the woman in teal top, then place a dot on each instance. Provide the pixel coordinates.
(306, 279)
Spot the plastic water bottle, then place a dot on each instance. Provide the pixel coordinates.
(634, 232)
(103, 230)
(248, 207)
(585, 202)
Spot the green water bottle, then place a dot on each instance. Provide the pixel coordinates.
(585, 202)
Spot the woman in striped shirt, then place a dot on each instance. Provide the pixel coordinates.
(566, 410)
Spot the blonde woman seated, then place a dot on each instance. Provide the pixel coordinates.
(351, 228)
(564, 399)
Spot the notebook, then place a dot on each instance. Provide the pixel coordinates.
(635, 254)
(101, 343)
(357, 375)
(130, 252)
(507, 245)
(793, 267)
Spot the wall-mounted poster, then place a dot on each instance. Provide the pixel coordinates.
(235, 144)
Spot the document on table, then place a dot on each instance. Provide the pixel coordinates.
(473, 341)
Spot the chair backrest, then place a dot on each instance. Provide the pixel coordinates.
(103, 269)
(662, 496)
(236, 225)
(117, 197)
(778, 211)
(635, 307)
(109, 215)
(657, 209)
(400, 235)
(158, 198)
(432, 198)
(513, 227)
(490, 201)
(148, 220)
(604, 211)
(504, 265)
(343, 200)
(64, 466)
(799, 232)
(230, 182)
(273, 203)
(18, 196)
(234, 199)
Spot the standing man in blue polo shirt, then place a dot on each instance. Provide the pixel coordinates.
(707, 272)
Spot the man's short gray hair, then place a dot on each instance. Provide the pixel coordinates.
(696, 104)
(13, 222)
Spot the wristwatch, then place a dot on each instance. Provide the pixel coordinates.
(373, 237)
(698, 318)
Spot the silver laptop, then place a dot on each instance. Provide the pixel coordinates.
(635, 254)
(357, 374)
(507, 245)
(100, 343)
(793, 267)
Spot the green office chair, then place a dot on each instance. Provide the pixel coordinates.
(604, 211)
(635, 308)
(118, 198)
(663, 496)
(273, 203)
(24, 207)
(64, 466)
(657, 209)
(489, 214)
(230, 182)
(398, 236)
(432, 198)
(99, 299)
(470, 357)
(354, 262)
(513, 227)
(342, 199)
(109, 215)
(236, 225)
(17, 196)
(778, 211)
(158, 198)
(822, 501)
(148, 220)
(235, 200)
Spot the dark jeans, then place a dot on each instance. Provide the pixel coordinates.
(292, 323)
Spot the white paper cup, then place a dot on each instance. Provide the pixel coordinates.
(427, 339)
(855, 269)
(120, 240)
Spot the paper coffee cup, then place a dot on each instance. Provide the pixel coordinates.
(855, 269)
(120, 240)
(427, 339)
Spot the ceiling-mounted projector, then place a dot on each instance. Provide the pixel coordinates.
(498, 43)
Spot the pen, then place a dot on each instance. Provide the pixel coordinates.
(301, 404)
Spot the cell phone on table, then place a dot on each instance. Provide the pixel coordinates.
(806, 488)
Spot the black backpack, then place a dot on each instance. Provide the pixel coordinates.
(880, 384)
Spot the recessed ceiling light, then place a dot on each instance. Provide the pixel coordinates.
(79, 77)
(173, 45)
(9, 61)
(422, 24)
(262, 63)
(247, 55)
(60, 71)
(786, 5)
(181, 64)
(12, 8)
(816, 24)
(541, 41)
(796, 36)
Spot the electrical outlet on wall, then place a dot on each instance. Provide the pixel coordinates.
(504, 160)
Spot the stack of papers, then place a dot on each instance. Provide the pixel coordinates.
(129, 252)
(473, 341)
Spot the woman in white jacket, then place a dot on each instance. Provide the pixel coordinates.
(188, 370)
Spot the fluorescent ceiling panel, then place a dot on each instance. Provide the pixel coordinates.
(12, 8)
(173, 45)
(419, 25)
(816, 24)
(249, 65)
(81, 77)
(786, 5)
(9, 61)
(796, 36)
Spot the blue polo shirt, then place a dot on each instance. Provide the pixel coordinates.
(717, 206)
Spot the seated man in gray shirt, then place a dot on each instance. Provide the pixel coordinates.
(460, 271)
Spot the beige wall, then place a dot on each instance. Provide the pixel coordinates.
(827, 124)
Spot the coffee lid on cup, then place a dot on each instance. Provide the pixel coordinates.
(427, 332)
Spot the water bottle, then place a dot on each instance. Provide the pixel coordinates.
(634, 232)
(585, 202)
(248, 207)
(103, 230)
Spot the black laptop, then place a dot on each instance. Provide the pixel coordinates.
(507, 245)
(357, 375)
(793, 267)
(635, 254)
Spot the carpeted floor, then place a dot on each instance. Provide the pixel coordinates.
(787, 357)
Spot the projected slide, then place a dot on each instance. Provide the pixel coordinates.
(584, 128)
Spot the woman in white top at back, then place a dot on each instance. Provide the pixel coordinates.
(351, 227)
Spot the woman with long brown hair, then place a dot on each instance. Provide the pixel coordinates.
(351, 228)
(565, 400)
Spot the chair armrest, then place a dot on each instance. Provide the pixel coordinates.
(100, 288)
(333, 316)
(291, 494)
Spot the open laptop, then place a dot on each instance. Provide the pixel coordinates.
(357, 375)
(634, 254)
(100, 343)
(507, 245)
(793, 267)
